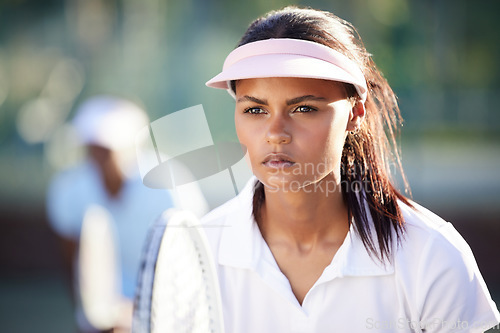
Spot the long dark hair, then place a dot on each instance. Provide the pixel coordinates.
(369, 152)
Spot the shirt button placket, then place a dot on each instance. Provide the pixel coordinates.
(299, 323)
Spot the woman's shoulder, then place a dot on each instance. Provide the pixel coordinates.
(437, 267)
(221, 213)
(241, 203)
(228, 215)
(432, 252)
(425, 228)
(419, 217)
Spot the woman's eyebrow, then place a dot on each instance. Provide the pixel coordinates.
(247, 98)
(301, 99)
(292, 101)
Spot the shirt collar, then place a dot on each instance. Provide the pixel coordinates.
(238, 246)
(241, 244)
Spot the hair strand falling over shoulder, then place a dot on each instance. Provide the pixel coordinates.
(368, 154)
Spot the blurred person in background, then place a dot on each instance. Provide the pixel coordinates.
(108, 178)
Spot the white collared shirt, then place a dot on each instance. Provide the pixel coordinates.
(432, 285)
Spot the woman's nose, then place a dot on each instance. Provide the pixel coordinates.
(278, 131)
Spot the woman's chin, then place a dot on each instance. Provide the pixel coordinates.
(286, 184)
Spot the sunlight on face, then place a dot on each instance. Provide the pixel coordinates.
(294, 129)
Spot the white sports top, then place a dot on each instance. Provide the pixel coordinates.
(432, 285)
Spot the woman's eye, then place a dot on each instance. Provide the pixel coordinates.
(255, 110)
(304, 109)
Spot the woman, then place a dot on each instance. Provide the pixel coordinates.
(320, 240)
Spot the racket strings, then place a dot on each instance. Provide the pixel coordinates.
(182, 297)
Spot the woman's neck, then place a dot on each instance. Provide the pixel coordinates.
(305, 218)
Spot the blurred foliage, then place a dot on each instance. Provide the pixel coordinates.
(440, 56)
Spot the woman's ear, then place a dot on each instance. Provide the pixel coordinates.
(356, 117)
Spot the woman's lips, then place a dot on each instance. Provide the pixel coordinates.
(278, 161)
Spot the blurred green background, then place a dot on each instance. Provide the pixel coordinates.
(440, 57)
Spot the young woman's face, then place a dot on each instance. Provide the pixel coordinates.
(294, 129)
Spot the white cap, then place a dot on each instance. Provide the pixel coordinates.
(109, 122)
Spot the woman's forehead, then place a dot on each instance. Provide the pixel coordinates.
(290, 85)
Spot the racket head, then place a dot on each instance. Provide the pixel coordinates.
(186, 293)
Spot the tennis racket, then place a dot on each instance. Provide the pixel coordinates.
(141, 322)
(185, 294)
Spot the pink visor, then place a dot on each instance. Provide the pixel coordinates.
(284, 57)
